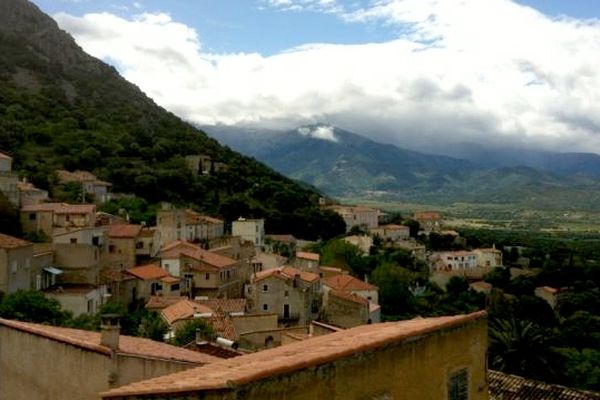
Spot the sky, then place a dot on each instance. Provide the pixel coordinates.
(417, 73)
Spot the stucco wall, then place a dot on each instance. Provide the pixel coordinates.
(36, 368)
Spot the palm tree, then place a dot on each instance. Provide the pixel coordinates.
(520, 347)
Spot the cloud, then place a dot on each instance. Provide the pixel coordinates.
(459, 70)
(319, 132)
(326, 6)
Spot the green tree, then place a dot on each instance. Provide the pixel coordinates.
(10, 223)
(187, 333)
(152, 326)
(32, 306)
(394, 284)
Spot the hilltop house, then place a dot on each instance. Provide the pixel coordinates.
(429, 221)
(391, 232)
(307, 261)
(16, 270)
(355, 291)
(53, 218)
(251, 230)
(89, 183)
(364, 217)
(184, 224)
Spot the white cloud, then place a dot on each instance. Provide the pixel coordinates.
(491, 71)
(319, 132)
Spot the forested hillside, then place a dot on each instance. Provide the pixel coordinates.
(61, 108)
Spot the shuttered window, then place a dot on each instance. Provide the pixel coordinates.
(458, 385)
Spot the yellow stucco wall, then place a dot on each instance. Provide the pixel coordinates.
(416, 369)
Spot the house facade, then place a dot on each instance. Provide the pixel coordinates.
(364, 217)
(251, 230)
(292, 294)
(429, 221)
(16, 264)
(8, 181)
(51, 218)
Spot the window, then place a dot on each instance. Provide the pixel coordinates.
(458, 385)
(90, 306)
(207, 276)
(96, 240)
(228, 275)
(73, 240)
(286, 293)
(265, 307)
(13, 267)
(174, 287)
(111, 248)
(139, 245)
(32, 216)
(265, 288)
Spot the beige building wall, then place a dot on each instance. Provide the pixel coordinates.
(78, 303)
(419, 368)
(37, 221)
(252, 230)
(35, 367)
(345, 313)
(121, 252)
(16, 269)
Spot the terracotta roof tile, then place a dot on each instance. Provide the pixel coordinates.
(349, 297)
(183, 309)
(292, 357)
(148, 272)
(179, 248)
(160, 302)
(112, 275)
(223, 326)
(124, 230)
(212, 349)
(286, 273)
(308, 256)
(427, 216)
(225, 305)
(61, 208)
(348, 283)
(511, 387)
(11, 242)
(5, 156)
(127, 344)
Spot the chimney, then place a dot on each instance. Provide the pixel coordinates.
(109, 331)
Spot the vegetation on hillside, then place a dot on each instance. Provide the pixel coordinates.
(61, 109)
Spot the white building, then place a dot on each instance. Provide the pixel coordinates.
(251, 230)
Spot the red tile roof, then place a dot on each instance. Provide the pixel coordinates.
(223, 326)
(148, 272)
(427, 215)
(286, 273)
(128, 345)
(178, 248)
(5, 156)
(511, 387)
(347, 283)
(212, 349)
(292, 357)
(160, 302)
(225, 305)
(112, 275)
(61, 208)
(11, 242)
(183, 309)
(349, 297)
(124, 231)
(308, 256)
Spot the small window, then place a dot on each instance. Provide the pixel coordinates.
(111, 248)
(207, 276)
(174, 287)
(73, 240)
(265, 307)
(139, 245)
(32, 216)
(96, 240)
(286, 293)
(90, 306)
(265, 288)
(13, 267)
(458, 385)
(228, 275)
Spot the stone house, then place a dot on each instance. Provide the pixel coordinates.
(89, 182)
(453, 260)
(184, 224)
(123, 243)
(204, 273)
(202, 227)
(251, 230)
(51, 218)
(294, 295)
(363, 242)
(425, 359)
(429, 221)
(364, 217)
(391, 232)
(488, 257)
(16, 264)
(90, 362)
(345, 309)
(30, 195)
(152, 280)
(348, 284)
(147, 243)
(307, 261)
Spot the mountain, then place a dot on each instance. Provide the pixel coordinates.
(63, 109)
(345, 164)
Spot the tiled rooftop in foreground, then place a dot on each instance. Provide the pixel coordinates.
(293, 357)
(128, 345)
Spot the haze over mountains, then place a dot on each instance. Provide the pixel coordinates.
(345, 164)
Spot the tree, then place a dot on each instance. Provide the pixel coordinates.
(32, 306)
(187, 333)
(394, 289)
(152, 326)
(10, 223)
(520, 347)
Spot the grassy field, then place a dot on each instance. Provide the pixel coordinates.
(497, 216)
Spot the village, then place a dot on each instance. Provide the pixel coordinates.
(255, 291)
